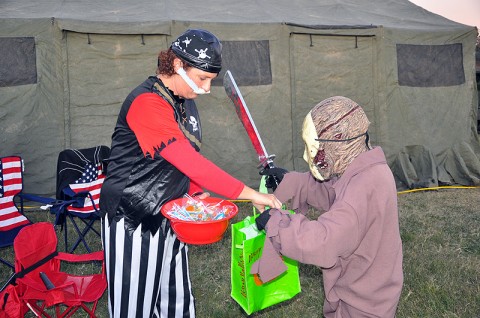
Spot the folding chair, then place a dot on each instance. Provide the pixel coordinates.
(80, 175)
(41, 284)
(12, 219)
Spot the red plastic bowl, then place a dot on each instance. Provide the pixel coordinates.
(200, 232)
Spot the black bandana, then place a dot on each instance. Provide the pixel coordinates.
(199, 48)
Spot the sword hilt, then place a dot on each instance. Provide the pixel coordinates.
(271, 180)
(266, 163)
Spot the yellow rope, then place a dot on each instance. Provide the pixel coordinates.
(406, 191)
(436, 188)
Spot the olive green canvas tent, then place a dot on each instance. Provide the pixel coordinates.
(66, 66)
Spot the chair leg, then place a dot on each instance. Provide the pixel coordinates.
(88, 226)
(7, 263)
(39, 311)
(81, 236)
(68, 312)
(90, 312)
(9, 281)
(66, 236)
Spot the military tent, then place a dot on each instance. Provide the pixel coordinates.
(67, 65)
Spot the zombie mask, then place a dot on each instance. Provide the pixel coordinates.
(334, 132)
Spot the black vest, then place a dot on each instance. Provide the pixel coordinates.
(136, 186)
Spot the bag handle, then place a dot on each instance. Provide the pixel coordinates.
(262, 188)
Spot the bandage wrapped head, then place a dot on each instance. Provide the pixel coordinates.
(335, 133)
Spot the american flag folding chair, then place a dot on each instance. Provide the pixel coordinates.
(12, 219)
(80, 175)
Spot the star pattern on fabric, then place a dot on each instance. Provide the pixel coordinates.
(89, 174)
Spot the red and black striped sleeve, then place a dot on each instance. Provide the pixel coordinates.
(152, 119)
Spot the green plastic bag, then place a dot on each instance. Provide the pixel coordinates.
(247, 290)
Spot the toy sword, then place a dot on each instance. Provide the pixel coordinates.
(233, 92)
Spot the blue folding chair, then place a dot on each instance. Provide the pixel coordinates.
(80, 175)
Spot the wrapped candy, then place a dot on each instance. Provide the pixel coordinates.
(195, 210)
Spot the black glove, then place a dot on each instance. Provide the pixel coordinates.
(262, 219)
(273, 176)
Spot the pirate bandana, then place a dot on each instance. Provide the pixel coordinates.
(199, 48)
(334, 132)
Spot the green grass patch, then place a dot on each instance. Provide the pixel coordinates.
(441, 241)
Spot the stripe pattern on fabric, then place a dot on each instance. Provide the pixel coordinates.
(10, 185)
(160, 286)
(91, 181)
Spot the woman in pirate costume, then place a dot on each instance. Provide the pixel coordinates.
(356, 241)
(155, 158)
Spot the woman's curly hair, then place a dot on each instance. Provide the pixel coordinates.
(165, 63)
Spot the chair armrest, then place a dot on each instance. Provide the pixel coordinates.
(94, 256)
(36, 198)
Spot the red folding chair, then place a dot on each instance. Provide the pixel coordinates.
(41, 284)
(12, 219)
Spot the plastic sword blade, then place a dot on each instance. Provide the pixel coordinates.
(243, 113)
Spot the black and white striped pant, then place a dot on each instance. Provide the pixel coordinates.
(147, 274)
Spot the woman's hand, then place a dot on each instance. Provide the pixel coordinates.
(260, 200)
(201, 195)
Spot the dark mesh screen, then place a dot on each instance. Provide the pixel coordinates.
(430, 65)
(18, 63)
(249, 62)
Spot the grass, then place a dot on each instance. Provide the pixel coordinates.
(441, 240)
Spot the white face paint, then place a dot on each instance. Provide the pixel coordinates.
(188, 80)
(309, 135)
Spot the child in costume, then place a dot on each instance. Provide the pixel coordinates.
(356, 240)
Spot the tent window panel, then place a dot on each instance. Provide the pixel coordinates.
(249, 62)
(430, 65)
(18, 65)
